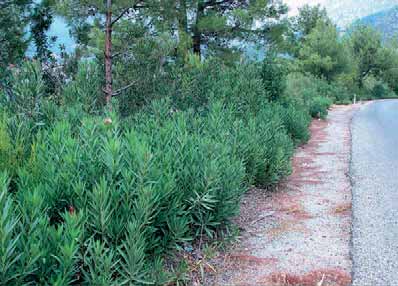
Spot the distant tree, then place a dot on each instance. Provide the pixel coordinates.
(367, 49)
(322, 53)
(14, 41)
(389, 59)
(308, 18)
(203, 27)
(302, 25)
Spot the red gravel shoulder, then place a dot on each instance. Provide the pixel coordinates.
(299, 234)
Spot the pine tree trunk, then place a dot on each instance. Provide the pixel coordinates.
(182, 30)
(182, 17)
(196, 39)
(108, 53)
(197, 35)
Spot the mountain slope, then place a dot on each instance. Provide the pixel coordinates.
(386, 22)
(345, 12)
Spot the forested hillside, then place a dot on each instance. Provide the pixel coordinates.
(121, 159)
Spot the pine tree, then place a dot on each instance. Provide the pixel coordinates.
(106, 14)
(367, 48)
(322, 53)
(219, 27)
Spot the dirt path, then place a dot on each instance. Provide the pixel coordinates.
(299, 235)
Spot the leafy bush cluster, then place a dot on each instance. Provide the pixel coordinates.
(104, 201)
(319, 107)
(314, 94)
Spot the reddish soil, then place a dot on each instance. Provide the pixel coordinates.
(314, 278)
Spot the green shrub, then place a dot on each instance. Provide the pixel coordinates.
(27, 87)
(296, 120)
(14, 144)
(94, 201)
(85, 89)
(273, 74)
(143, 191)
(319, 107)
(380, 90)
(261, 142)
(240, 86)
(300, 89)
(5, 145)
(276, 148)
(341, 94)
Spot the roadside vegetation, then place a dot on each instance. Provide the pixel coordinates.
(107, 176)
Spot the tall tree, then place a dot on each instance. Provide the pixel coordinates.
(220, 26)
(390, 73)
(322, 53)
(308, 18)
(14, 42)
(368, 51)
(302, 25)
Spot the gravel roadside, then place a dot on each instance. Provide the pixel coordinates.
(375, 194)
(299, 235)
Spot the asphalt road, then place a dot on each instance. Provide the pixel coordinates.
(374, 171)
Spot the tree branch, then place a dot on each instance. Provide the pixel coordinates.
(215, 3)
(120, 90)
(116, 55)
(120, 16)
(136, 6)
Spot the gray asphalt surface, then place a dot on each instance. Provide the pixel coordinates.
(374, 171)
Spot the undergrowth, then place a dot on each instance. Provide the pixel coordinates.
(93, 198)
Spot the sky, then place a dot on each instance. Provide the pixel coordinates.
(295, 4)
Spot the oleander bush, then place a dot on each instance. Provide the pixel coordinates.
(319, 107)
(96, 198)
(315, 94)
(85, 88)
(273, 73)
(123, 196)
(296, 119)
(103, 203)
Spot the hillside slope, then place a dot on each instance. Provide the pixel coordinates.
(386, 22)
(345, 12)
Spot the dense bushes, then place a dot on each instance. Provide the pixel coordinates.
(319, 107)
(85, 88)
(313, 94)
(296, 119)
(101, 202)
(122, 198)
(131, 195)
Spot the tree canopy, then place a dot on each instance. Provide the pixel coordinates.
(322, 53)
